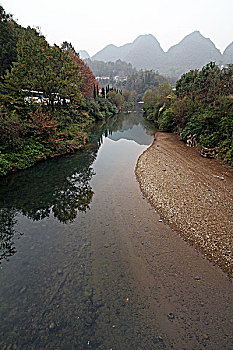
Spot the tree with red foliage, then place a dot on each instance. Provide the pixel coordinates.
(88, 79)
(43, 124)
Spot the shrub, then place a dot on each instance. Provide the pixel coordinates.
(209, 140)
(11, 129)
(166, 121)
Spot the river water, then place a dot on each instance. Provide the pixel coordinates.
(86, 263)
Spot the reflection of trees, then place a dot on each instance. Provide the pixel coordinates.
(60, 186)
(77, 197)
(121, 123)
(7, 233)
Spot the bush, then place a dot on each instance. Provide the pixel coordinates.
(205, 126)
(166, 121)
(11, 129)
(5, 165)
(226, 151)
(209, 140)
(192, 127)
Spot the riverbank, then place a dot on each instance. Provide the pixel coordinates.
(194, 195)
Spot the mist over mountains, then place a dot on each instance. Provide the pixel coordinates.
(145, 52)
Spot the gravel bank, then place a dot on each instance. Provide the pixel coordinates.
(194, 195)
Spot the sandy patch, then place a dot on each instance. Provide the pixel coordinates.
(191, 193)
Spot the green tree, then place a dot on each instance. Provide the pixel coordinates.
(149, 97)
(115, 98)
(67, 46)
(103, 92)
(8, 40)
(41, 68)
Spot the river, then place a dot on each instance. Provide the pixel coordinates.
(86, 263)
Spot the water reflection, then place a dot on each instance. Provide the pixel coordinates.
(60, 187)
(7, 233)
(130, 127)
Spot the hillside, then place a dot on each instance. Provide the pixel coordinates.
(228, 54)
(83, 54)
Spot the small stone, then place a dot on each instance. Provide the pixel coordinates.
(59, 272)
(52, 325)
(205, 336)
(88, 292)
(171, 316)
(160, 220)
(160, 338)
(22, 290)
(197, 278)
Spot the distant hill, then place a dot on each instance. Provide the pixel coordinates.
(194, 51)
(228, 54)
(83, 54)
(145, 52)
(112, 53)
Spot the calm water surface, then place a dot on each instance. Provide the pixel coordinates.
(64, 275)
(87, 264)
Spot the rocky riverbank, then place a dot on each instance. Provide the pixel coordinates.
(194, 195)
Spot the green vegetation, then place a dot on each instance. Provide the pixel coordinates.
(110, 69)
(142, 81)
(47, 100)
(202, 105)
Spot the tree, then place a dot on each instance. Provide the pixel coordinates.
(142, 81)
(149, 97)
(67, 46)
(8, 39)
(45, 69)
(86, 75)
(115, 98)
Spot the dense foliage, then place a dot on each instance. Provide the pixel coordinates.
(202, 105)
(46, 98)
(111, 69)
(143, 80)
(9, 31)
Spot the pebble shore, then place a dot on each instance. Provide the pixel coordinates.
(194, 195)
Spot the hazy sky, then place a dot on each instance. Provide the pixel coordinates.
(92, 24)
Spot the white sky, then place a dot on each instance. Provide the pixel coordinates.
(92, 24)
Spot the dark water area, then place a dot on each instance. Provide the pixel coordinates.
(86, 263)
